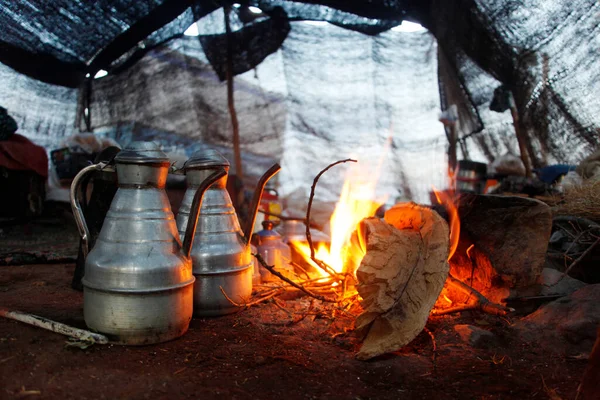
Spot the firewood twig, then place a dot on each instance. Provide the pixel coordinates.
(434, 355)
(54, 326)
(252, 303)
(482, 303)
(473, 265)
(578, 260)
(291, 282)
(320, 263)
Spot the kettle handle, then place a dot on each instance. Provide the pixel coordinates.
(190, 230)
(84, 232)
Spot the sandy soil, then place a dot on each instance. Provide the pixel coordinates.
(257, 354)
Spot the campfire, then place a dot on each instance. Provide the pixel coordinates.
(390, 273)
(355, 204)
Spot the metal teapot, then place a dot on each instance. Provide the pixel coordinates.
(221, 257)
(138, 282)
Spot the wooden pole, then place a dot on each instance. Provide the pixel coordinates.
(452, 148)
(544, 98)
(54, 326)
(520, 137)
(230, 101)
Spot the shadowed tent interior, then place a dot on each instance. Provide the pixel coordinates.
(308, 93)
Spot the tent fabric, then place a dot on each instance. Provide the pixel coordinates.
(287, 111)
(544, 52)
(355, 89)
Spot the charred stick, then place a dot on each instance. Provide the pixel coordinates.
(321, 264)
(575, 242)
(287, 280)
(252, 303)
(473, 265)
(482, 302)
(578, 260)
(298, 266)
(54, 326)
(452, 310)
(434, 355)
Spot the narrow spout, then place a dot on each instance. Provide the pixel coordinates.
(256, 199)
(190, 230)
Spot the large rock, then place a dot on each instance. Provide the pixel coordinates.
(400, 276)
(553, 282)
(589, 389)
(510, 237)
(566, 325)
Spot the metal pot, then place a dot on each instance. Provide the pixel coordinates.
(138, 282)
(221, 257)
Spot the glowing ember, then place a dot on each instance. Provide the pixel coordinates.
(445, 200)
(355, 204)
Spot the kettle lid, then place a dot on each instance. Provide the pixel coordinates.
(268, 233)
(142, 153)
(206, 158)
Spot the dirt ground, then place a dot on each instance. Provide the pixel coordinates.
(257, 354)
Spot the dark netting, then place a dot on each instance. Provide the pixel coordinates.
(545, 53)
(249, 46)
(342, 88)
(332, 111)
(299, 11)
(182, 100)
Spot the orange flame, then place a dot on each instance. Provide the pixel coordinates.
(354, 205)
(446, 201)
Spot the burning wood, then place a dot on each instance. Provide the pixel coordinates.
(400, 277)
(400, 264)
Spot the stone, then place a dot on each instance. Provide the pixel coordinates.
(400, 277)
(566, 325)
(509, 233)
(553, 282)
(476, 337)
(590, 384)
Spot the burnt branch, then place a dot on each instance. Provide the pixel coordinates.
(578, 260)
(291, 282)
(320, 263)
(434, 355)
(252, 303)
(482, 303)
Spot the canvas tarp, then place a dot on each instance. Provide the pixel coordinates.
(341, 87)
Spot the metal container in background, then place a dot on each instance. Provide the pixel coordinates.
(221, 257)
(274, 252)
(294, 231)
(138, 282)
(470, 177)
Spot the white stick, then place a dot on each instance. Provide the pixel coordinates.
(54, 326)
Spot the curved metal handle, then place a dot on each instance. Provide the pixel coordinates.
(260, 187)
(84, 232)
(190, 230)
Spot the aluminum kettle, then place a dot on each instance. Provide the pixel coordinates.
(138, 282)
(221, 257)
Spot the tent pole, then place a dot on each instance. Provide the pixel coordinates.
(452, 158)
(522, 140)
(230, 101)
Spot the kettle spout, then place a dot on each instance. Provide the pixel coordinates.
(256, 199)
(190, 230)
